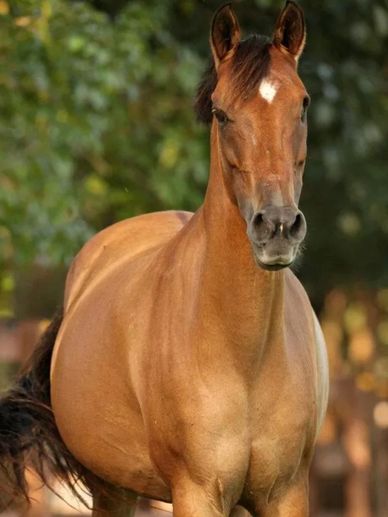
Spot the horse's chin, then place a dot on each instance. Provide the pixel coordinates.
(275, 266)
(273, 261)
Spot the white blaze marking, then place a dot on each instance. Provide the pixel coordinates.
(268, 90)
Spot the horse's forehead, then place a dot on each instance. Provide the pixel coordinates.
(277, 86)
(281, 78)
(268, 89)
(280, 87)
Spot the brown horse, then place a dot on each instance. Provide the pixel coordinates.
(189, 365)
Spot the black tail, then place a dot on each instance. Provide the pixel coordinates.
(29, 436)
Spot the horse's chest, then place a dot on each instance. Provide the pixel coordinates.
(274, 458)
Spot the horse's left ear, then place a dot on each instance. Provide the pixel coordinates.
(290, 31)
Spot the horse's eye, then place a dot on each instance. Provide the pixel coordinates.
(221, 116)
(305, 105)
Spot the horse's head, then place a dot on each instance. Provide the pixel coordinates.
(257, 104)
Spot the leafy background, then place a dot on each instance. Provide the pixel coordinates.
(96, 125)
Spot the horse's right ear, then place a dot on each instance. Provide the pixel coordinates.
(225, 34)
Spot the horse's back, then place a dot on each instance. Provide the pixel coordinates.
(120, 242)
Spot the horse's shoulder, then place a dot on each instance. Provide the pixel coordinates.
(295, 294)
(119, 241)
(303, 318)
(299, 310)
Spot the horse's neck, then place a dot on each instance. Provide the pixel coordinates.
(248, 300)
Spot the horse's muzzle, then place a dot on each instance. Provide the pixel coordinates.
(276, 234)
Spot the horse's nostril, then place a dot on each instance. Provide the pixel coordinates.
(298, 227)
(258, 219)
(262, 227)
(296, 224)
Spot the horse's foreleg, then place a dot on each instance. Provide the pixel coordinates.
(192, 500)
(238, 511)
(104, 506)
(293, 502)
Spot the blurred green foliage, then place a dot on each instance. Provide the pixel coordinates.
(97, 125)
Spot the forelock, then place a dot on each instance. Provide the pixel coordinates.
(249, 65)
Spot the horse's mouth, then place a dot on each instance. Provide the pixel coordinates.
(276, 266)
(272, 259)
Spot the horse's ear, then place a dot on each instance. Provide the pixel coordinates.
(225, 34)
(290, 31)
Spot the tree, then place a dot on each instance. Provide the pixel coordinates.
(97, 125)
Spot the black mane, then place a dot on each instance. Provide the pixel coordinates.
(250, 64)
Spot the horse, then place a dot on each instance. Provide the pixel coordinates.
(188, 365)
